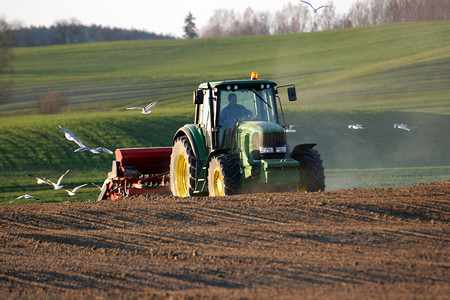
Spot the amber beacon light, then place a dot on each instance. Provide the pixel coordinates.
(254, 75)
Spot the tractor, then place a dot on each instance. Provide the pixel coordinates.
(236, 144)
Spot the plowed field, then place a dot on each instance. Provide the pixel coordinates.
(353, 244)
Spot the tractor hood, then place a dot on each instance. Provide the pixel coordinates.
(260, 126)
(262, 140)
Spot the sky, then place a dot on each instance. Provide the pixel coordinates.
(161, 17)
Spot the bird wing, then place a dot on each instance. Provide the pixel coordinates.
(308, 4)
(137, 107)
(96, 185)
(72, 136)
(151, 104)
(81, 149)
(62, 176)
(49, 182)
(78, 187)
(20, 197)
(43, 179)
(323, 6)
(105, 150)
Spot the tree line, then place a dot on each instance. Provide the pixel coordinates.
(72, 32)
(299, 17)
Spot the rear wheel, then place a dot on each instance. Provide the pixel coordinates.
(224, 176)
(182, 169)
(312, 176)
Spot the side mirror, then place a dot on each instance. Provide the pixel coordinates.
(198, 97)
(292, 94)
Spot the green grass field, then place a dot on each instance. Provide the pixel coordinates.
(376, 76)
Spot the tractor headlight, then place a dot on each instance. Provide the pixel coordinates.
(265, 150)
(281, 149)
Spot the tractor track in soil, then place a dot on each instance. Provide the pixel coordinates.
(353, 244)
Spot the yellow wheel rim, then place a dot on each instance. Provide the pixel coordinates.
(218, 183)
(301, 189)
(181, 176)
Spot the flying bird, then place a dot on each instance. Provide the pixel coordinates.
(72, 137)
(315, 9)
(40, 180)
(74, 191)
(402, 127)
(26, 196)
(145, 110)
(289, 128)
(356, 127)
(57, 185)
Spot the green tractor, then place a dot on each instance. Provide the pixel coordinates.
(237, 144)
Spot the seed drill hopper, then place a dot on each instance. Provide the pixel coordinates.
(138, 171)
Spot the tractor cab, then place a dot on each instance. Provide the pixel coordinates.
(223, 105)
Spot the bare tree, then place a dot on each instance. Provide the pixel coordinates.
(230, 23)
(326, 18)
(218, 23)
(291, 19)
(253, 23)
(373, 12)
(52, 103)
(68, 32)
(6, 39)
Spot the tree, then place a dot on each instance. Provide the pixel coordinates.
(190, 30)
(291, 19)
(6, 40)
(52, 103)
(68, 32)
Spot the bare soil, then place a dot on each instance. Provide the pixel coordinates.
(352, 244)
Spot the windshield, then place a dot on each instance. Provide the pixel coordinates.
(247, 104)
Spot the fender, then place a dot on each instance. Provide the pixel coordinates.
(302, 147)
(197, 141)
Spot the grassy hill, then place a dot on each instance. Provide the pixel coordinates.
(376, 76)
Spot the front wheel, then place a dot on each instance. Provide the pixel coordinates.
(224, 177)
(182, 168)
(312, 176)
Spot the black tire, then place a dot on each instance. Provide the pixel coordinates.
(312, 176)
(224, 176)
(182, 168)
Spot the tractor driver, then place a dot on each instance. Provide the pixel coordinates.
(233, 112)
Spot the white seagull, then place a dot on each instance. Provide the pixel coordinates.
(315, 9)
(145, 110)
(289, 128)
(26, 196)
(40, 180)
(402, 127)
(58, 185)
(72, 137)
(356, 127)
(74, 191)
